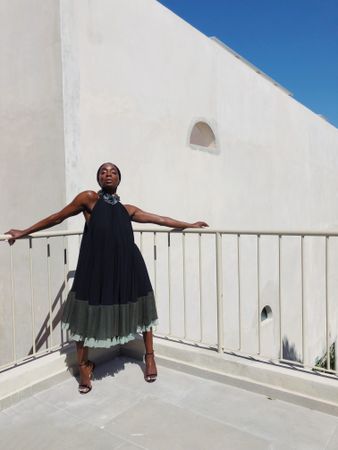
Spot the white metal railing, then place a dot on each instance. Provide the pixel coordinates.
(47, 326)
(161, 247)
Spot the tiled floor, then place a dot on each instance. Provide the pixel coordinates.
(178, 411)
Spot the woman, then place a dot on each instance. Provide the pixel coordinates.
(111, 298)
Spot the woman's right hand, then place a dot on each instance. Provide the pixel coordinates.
(17, 234)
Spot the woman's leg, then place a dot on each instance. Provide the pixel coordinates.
(151, 371)
(84, 368)
(82, 353)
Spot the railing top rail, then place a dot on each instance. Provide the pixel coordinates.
(308, 233)
(299, 233)
(44, 234)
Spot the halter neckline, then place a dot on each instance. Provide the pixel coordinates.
(109, 198)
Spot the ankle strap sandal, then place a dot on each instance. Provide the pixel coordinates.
(150, 377)
(86, 388)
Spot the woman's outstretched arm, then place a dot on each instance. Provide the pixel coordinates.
(82, 202)
(137, 215)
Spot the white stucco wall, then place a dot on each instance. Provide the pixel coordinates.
(144, 76)
(32, 155)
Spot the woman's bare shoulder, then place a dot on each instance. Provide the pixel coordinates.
(86, 199)
(89, 195)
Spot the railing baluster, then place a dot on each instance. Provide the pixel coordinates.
(79, 241)
(65, 279)
(13, 303)
(65, 266)
(32, 294)
(200, 285)
(184, 286)
(169, 283)
(239, 294)
(302, 295)
(219, 288)
(49, 297)
(327, 315)
(141, 241)
(280, 296)
(155, 263)
(258, 296)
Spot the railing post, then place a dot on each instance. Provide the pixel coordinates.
(258, 296)
(32, 295)
(169, 282)
(219, 290)
(49, 297)
(281, 355)
(184, 287)
(155, 262)
(302, 296)
(200, 285)
(327, 310)
(239, 293)
(13, 303)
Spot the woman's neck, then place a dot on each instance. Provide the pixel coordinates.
(110, 191)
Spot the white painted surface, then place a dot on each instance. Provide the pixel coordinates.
(32, 169)
(145, 75)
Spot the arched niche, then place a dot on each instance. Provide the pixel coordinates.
(202, 137)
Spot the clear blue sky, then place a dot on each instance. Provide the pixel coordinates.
(293, 41)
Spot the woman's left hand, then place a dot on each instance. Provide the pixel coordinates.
(198, 225)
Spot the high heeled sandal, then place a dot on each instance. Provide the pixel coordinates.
(149, 377)
(86, 388)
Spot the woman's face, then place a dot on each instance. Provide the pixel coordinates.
(108, 176)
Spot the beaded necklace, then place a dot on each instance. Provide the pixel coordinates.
(109, 198)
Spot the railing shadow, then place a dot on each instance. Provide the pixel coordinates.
(46, 328)
(289, 351)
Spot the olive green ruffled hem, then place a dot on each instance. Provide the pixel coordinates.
(108, 325)
(95, 343)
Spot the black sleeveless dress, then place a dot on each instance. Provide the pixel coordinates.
(111, 298)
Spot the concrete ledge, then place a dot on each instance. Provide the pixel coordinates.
(310, 390)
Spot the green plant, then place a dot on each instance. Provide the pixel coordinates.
(322, 361)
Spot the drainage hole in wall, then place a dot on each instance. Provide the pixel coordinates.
(266, 313)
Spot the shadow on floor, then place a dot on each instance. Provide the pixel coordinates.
(109, 368)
